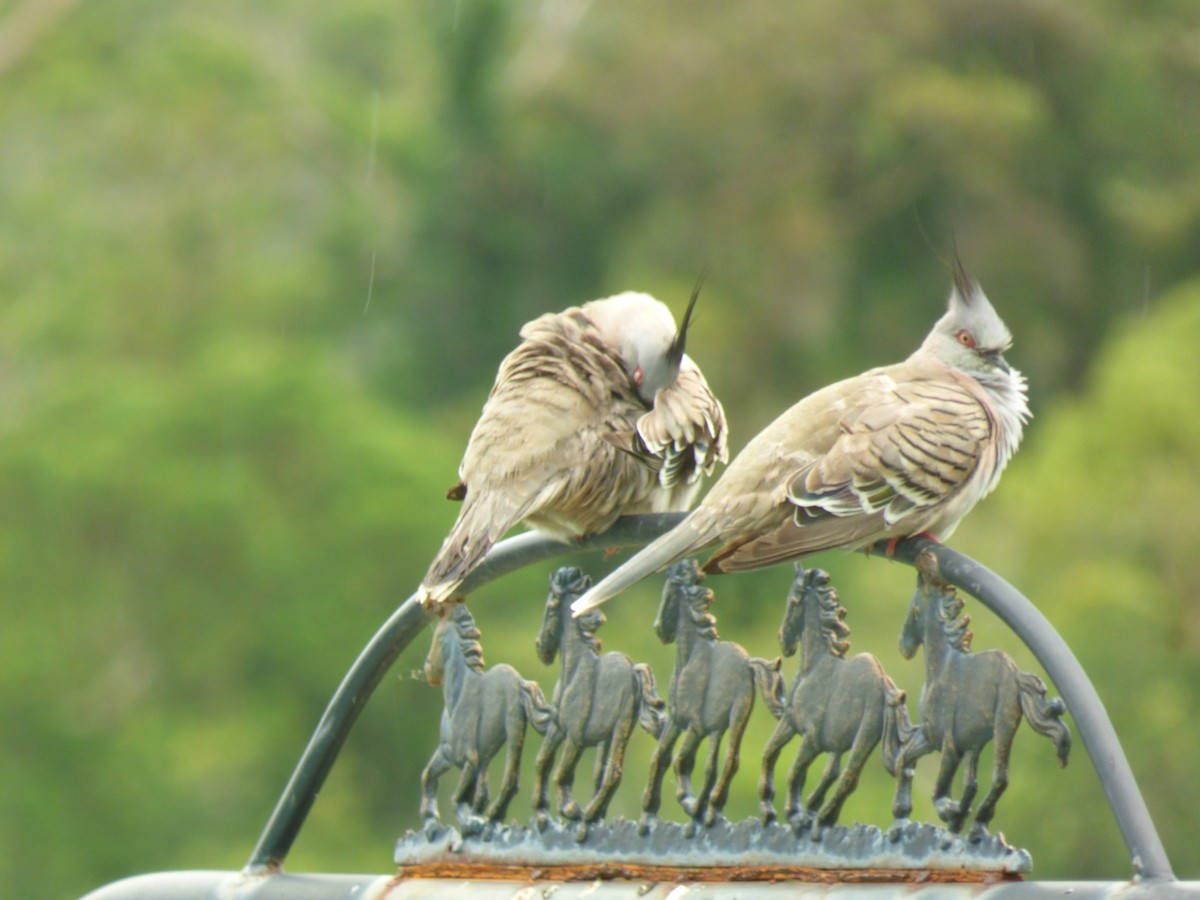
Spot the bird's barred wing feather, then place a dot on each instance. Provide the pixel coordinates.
(896, 462)
(897, 457)
(684, 435)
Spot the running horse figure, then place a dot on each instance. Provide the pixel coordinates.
(712, 692)
(484, 711)
(836, 705)
(968, 699)
(597, 701)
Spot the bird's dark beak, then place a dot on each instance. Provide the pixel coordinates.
(996, 359)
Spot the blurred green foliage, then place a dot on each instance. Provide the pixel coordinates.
(258, 264)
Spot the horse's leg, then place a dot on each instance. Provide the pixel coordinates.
(614, 765)
(970, 786)
(865, 740)
(471, 793)
(704, 802)
(914, 748)
(733, 758)
(479, 793)
(784, 732)
(545, 760)
(659, 760)
(1004, 739)
(600, 763)
(564, 779)
(515, 725)
(685, 761)
(833, 768)
(466, 793)
(794, 811)
(947, 809)
(438, 764)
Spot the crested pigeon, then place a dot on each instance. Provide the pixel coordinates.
(894, 452)
(597, 413)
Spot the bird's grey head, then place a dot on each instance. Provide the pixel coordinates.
(970, 337)
(642, 331)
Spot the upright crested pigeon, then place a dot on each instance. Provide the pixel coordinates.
(894, 452)
(597, 413)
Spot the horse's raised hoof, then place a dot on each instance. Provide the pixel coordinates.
(645, 823)
(572, 811)
(690, 804)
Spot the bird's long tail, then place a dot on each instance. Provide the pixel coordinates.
(479, 525)
(673, 546)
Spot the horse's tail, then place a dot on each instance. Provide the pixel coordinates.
(897, 726)
(770, 683)
(539, 713)
(651, 708)
(1045, 716)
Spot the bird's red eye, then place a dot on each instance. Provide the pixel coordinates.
(966, 339)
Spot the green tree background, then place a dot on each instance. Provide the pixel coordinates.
(258, 263)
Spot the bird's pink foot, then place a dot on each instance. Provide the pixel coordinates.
(892, 542)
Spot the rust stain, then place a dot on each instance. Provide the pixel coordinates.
(706, 874)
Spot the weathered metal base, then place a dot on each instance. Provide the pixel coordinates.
(748, 845)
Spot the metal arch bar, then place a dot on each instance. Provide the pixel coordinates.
(377, 657)
(1146, 850)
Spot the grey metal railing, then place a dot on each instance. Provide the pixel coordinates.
(1150, 865)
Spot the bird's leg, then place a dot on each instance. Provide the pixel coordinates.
(892, 542)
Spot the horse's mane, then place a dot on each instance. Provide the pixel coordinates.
(684, 586)
(468, 637)
(698, 597)
(831, 614)
(586, 626)
(955, 623)
(566, 584)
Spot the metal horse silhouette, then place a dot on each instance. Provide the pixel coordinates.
(712, 692)
(968, 699)
(836, 705)
(484, 711)
(597, 700)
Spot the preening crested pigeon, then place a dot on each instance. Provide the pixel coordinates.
(894, 452)
(597, 413)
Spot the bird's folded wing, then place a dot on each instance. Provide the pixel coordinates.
(907, 453)
(897, 457)
(685, 434)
